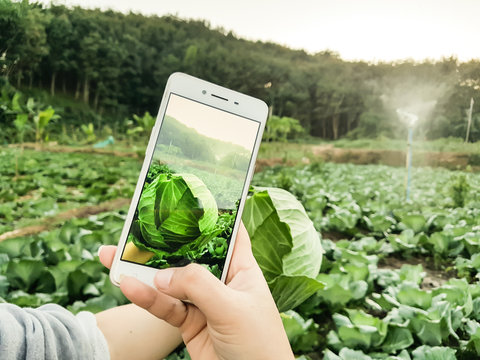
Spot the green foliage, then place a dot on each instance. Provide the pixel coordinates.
(41, 121)
(446, 144)
(283, 129)
(20, 124)
(140, 125)
(290, 263)
(434, 353)
(59, 266)
(371, 124)
(459, 190)
(14, 110)
(89, 133)
(302, 334)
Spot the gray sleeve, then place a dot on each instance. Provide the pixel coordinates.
(49, 332)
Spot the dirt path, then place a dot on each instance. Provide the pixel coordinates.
(52, 221)
(71, 149)
(329, 153)
(448, 160)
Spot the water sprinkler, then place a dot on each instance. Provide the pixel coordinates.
(407, 117)
(410, 119)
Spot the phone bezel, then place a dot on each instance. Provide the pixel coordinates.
(208, 94)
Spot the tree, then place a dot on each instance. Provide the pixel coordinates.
(283, 128)
(59, 35)
(33, 46)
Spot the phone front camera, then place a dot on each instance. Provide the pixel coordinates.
(204, 92)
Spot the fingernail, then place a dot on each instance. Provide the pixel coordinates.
(100, 249)
(163, 278)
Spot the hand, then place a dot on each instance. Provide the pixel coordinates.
(234, 321)
(129, 329)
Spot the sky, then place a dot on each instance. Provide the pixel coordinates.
(212, 122)
(369, 30)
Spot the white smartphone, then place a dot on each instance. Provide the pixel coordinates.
(194, 180)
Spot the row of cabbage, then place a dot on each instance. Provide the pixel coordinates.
(36, 184)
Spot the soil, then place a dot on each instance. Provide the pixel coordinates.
(333, 235)
(433, 279)
(52, 221)
(329, 153)
(53, 147)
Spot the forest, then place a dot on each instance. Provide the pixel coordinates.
(118, 64)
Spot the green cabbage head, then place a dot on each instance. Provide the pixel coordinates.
(175, 210)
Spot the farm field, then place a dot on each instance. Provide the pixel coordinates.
(400, 280)
(37, 184)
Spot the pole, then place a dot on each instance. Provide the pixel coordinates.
(469, 120)
(409, 162)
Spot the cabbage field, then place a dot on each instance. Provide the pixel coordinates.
(397, 279)
(400, 279)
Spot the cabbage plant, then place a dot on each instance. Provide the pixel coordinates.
(285, 243)
(175, 210)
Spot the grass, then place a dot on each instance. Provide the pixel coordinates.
(293, 152)
(450, 144)
(286, 151)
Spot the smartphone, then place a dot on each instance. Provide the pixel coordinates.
(190, 194)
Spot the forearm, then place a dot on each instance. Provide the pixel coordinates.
(133, 332)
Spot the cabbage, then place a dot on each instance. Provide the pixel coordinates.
(285, 243)
(175, 210)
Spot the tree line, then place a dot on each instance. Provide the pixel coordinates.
(118, 64)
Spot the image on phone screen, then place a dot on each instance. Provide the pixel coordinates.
(190, 197)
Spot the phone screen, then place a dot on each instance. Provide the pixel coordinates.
(193, 187)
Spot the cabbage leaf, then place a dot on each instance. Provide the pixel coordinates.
(285, 243)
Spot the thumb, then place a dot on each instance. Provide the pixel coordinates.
(195, 284)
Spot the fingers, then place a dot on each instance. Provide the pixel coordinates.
(192, 283)
(157, 303)
(175, 312)
(243, 246)
(195, 284)
(242, 257)
(106, 254)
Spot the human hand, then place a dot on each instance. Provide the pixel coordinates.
(238, 320)
(129, 329)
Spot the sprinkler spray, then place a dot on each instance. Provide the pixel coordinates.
(410, 119)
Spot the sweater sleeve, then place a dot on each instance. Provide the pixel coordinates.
(49, 332)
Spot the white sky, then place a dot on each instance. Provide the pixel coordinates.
(371, 30)
(212, 122)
